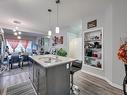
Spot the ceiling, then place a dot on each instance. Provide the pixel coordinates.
(33, 14)
(10, 33)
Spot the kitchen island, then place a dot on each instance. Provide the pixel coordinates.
(50, 74)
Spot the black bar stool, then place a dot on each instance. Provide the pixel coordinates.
(75, 66)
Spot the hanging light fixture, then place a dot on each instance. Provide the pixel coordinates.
(57, 27)
(14, 30)
(18, 37)
(17, 33)
(49, 32)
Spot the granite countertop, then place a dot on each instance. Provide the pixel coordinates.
(51, 60)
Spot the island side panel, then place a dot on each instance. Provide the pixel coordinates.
(31, 69)
(58, 80)
(38, 77)
(42, 81)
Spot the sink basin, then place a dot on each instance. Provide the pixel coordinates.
(49, 59)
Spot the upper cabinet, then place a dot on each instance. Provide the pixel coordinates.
(93, 48)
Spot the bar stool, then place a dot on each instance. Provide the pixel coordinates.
(75, 66)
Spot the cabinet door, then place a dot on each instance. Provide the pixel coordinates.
(42, 82)
(31, 70)
(35, 77)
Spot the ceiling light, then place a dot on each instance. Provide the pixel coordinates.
(57, 28)
(14, 30)
(15, 33)
(49, 32)
(19, 33)
(19, 37)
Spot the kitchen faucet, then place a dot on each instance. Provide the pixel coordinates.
(56, 50)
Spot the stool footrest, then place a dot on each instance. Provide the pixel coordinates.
(75, 90)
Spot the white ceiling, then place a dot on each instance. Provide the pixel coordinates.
(33, 14)
(9, 32)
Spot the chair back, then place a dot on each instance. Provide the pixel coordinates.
(5, 60)
(47, 52)
(25, 58)
(15, 59)
(77, 64)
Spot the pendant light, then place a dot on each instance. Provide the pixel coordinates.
(17, 33)
(18, 37)
(57, 27)
(49, 32)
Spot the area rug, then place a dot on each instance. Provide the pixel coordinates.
(2, 69)
(14, 71)
(24, 88)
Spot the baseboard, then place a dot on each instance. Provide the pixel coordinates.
(114, 84)
(93, 74)
(104, 78)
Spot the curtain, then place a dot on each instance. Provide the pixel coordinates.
(13, 43)
(25, 43)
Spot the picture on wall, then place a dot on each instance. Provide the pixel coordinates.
(57, 40)
(61, 39)
(92, 24)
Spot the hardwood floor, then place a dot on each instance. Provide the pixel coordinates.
(88, 85)
(12, 77)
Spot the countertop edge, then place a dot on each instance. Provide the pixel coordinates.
(53, 65)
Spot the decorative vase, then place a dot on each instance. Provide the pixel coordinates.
(125, 80)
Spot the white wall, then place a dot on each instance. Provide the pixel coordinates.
(74, 46)
(100, 23)
(108, 43)
(119, 29)
(70, 37)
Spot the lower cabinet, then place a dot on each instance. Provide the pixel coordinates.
(31, 69)
(35, 77)
(39, 79)
(42, 82)
(50, 81)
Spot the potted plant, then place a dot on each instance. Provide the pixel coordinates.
(62, 52)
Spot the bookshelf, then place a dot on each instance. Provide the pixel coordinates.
(93, 48)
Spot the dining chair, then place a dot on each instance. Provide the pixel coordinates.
(24, 58)
(14, 59)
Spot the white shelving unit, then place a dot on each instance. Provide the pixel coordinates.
(93, 48)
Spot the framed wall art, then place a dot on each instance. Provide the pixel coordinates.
(92, 24)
